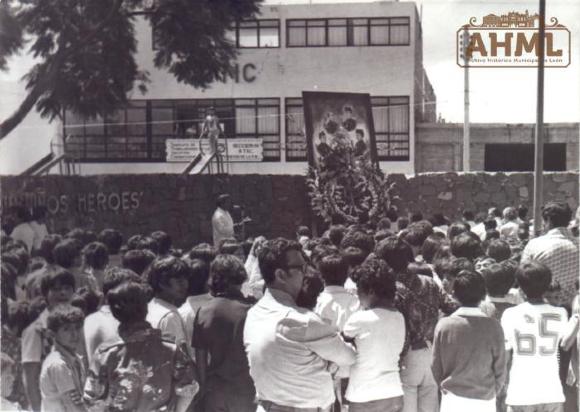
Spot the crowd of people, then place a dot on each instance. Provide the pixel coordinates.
(409, 314)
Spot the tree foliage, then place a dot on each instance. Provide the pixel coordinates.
(86, 49)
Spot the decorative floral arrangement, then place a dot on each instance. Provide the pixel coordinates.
(351, 190)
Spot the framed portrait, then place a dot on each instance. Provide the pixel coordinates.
(339, 128)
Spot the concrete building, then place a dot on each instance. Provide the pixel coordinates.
(373, 47)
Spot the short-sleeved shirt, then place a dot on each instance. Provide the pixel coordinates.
(61, 373)
(164, 316)
(140, 372)
(218, 329)
(36, 343)
(379, 336)
(533, 332)
(24, 233)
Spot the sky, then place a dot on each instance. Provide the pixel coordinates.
(496, 95)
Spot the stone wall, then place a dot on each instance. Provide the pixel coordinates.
(183, 205)
(452, 192)
(180, 205)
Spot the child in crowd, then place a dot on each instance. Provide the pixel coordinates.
(533, 330)
(499, 279)
(378, 332)
(101, 326)
(335, 305)
(169, 279)
(138, 260)
(57, 288)
(468, 351)
(63, 373)
(113, 240)
(95, 260)
(142, 371)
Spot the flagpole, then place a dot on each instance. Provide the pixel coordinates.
(539, 135)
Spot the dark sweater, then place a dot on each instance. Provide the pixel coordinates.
(469, 358)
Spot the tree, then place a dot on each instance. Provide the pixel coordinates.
(86, 49)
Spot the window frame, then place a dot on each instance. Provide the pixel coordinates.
(293, 24)
(258, 29)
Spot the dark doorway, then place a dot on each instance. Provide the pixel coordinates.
(517, 157)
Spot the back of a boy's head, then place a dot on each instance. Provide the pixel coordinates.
(498, 250)
(143, 243)
(468, 214)
(62, 315)
(96, 255)
(383, 224)
(402, 222)
(47, 246)
(113, 239)
(396, 252)
(333, 270)
(163, 240)
(229, 246)
(164, 269)
(499, 279)
(82, 236)
(226, 271)
(66, 252)
(456, 228)
(376, 277)
(203, 251)
(353, 256)
(199, 277)
(558, 214)
(358, 238)
(115, 276)
(52, 279)
(128, 302)
(417, 232)
(458, 265)
(534, 278)
(430, 247)
(137, 260)
(336, 234)
(469, 288)
(466, 245)
(87, 299)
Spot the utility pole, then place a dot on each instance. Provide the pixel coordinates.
(466, 137)
(539, 138)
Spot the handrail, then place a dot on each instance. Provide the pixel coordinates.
(38, 165)
(46, 168)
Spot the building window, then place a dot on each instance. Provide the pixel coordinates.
(258, 34)
(391, 119)
(295, 137)
(385, 31)
(139, 131)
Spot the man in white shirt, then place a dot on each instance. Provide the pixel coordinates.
(221, 221)
(168, 277)
(23, 232)
(291, 351)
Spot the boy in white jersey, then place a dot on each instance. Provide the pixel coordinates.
(533, 331)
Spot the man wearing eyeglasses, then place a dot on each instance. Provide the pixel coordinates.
(291, 351)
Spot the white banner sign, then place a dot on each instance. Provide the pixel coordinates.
(238, 150)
